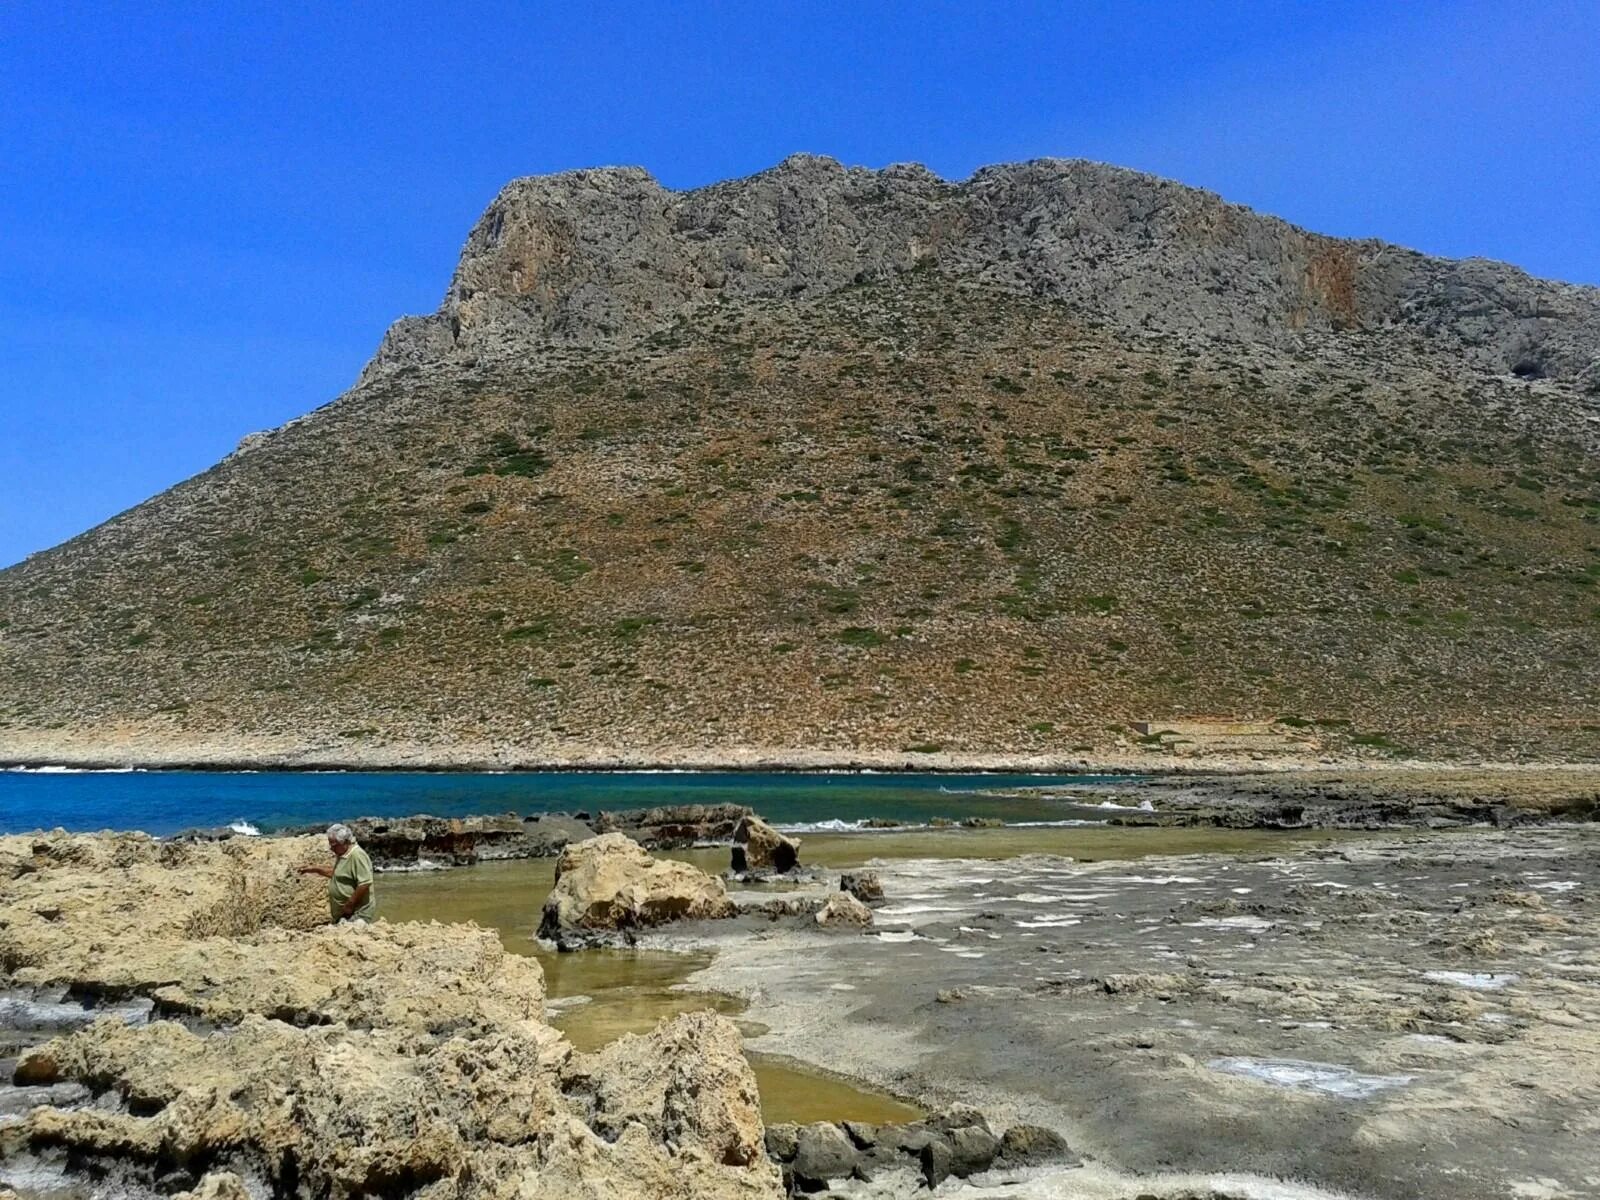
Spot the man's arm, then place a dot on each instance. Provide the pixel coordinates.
(310, 869)
(357, 899)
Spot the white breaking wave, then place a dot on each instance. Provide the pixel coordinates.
(835, 825)
(51, 769)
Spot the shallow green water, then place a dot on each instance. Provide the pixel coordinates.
(630, 991)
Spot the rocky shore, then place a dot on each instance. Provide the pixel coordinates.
(423, 841)
(1354, 798)
(1404, 1018)
(228, 1043)
(1368, 1016)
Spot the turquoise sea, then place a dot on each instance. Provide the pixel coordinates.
(164, 802)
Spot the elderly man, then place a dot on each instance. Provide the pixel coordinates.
(349, 879)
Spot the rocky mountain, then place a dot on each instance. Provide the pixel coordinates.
(1046, 463)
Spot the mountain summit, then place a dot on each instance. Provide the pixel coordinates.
(608, 254)
(1055, 462)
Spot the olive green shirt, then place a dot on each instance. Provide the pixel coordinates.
(349, 873)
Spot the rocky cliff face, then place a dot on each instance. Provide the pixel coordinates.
(880, 467)
(603, 254)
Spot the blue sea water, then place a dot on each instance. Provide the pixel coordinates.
(166, 801)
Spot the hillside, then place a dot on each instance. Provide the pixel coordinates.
(872, 463)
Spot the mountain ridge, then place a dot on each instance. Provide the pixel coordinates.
(749, 237)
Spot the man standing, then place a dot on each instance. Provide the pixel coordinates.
(349, 879)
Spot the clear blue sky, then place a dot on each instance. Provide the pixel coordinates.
(209, 212)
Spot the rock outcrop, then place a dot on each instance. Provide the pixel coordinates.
(758, 847)
(343, 1060)
(865, 886)
(401, 842)
(844, 911)
(610, 253)
(609, 886)
(675, 826)
(687, 1082)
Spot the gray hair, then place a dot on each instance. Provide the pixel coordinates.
(341, 834)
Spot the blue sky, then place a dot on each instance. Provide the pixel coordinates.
(209, 212)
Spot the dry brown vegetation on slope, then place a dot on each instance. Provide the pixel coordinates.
(915, 513)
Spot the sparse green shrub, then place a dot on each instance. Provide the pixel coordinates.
(856, 635)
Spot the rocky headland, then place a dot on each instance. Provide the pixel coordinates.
(1060, 463)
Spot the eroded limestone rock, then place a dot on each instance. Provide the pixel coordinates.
(346, 1060)
(687, 1082)
(844, 911)
(610, 885)
(674, 826)
(865, 886)
(757, 846)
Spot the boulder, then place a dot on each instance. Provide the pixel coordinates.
(861, 1133)
(823, 1152)
(909, 1139)
(1032, 1146)
(783, 1141)
(609, 884)
(972, 1149)
(844, 911)
(935, 1160)
(958, 1116)
(757, 846)
(863, 885)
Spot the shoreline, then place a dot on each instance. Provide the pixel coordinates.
(735, 759)
(1365, 796)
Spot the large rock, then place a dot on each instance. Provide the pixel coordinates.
(972, 1149)
(96, 909)
(822, 1152)
(844, 911)
(865, 886)
(609, 884)
(688, 1082)
(757, 846)
(1033, 1145)
(219, 931)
